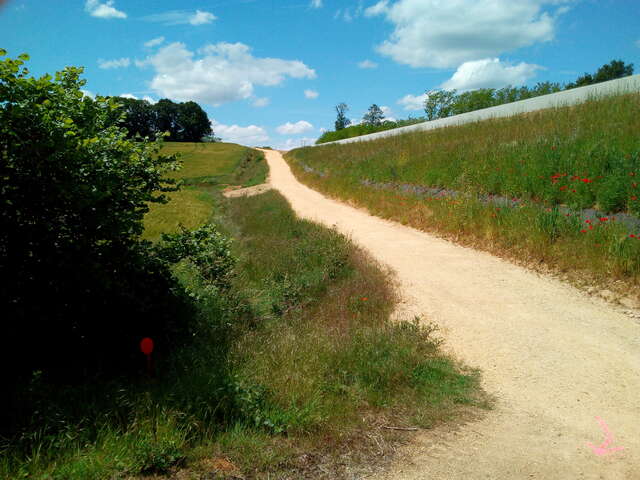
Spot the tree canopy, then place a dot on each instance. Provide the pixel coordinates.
(184, 122)
(341, 120)
(79, 288)
(374, 116)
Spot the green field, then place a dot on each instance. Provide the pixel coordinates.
(205, 166)
(546, 167)
(289, 362)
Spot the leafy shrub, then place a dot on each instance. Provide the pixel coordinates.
(79, 289)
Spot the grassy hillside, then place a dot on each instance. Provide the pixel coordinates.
(205, 166)
(559, 186)
(291, 362)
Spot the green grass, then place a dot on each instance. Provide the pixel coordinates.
(205, 166)
(553, 161)
(297, 360)
(217, 163)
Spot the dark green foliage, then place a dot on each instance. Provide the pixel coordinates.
(610, 71)
(342, 121)
(79, 289)
(184, 122)
(374, 116)
(204, 247)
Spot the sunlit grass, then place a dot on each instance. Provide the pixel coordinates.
(552, 164)
(188, 207)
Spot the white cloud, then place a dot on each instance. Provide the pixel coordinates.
(182, 17)
(316, 4)
(367, 64)
(133, 97)
(638, 43)
(103, 10)
(311, 94)
(220, 73)
(202, 18)
(413, 102)
(292, 143)
(294, 128)
(261, 102)
(490, 73)
(388, 113)
(443, 34)
(116, 63)
(88, 93)
(250, 135)
(154, 42)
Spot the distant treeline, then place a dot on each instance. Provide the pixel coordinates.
(366, 128)
(446, 103)
(185, 122)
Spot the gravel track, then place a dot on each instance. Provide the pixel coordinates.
(554, 357)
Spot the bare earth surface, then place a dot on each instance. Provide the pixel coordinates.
(554, 358)
(248, 191)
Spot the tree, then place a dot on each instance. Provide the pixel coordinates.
(439, 103)
(166, 113)
(79, 288)
(612, 70)
(472, 100)
(374, 116)
(139, 117)
(609, 71)
(193, 123)
(342, 121)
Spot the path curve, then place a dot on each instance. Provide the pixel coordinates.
(555, 358)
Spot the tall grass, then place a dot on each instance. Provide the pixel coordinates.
(294, 363)
(546, 167)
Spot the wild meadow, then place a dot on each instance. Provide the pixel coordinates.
(559, 187)
(290, 365)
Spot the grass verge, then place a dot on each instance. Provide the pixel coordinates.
(292, 370)
(549, 167)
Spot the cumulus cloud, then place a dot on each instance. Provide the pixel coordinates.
(103, 10)
(133, 97)
(182, 17)
(218, 73)
(88, 93)
(261, 102)
(490, 73)
(154, 42)
(291, 143)
(367, 64)
(316, 4)
(116, 63)
(388, 113)
(201, 18)
(433, 33)
(412, 102)
(250, 135)
(311, 94)
(294, 128)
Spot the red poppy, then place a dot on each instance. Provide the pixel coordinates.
(634, 198)
(632, 236)
(583, 231)
(604, 219)
(587, 221)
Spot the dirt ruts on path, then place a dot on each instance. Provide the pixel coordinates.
(554, 358)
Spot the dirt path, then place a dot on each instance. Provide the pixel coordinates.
(554, 358)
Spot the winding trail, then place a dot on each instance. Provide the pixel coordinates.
(554, 358)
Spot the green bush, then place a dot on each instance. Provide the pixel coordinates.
(79, 288)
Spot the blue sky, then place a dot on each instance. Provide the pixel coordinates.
(269, 72)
